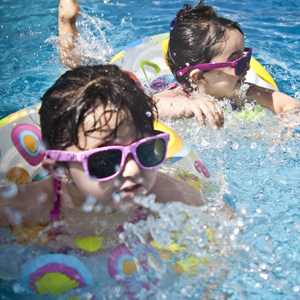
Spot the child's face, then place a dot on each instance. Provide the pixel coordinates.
(221, 83)
(130, 182)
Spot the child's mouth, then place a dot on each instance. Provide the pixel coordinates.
(132, 190)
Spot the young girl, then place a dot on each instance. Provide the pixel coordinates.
(102, 154)
(199, 39)
(208, 58)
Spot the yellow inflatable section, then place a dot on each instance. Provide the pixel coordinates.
(262, 72)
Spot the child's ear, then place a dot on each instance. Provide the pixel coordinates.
(197, 77)
(57, 171)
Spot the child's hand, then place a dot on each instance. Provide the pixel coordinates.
(69, 11)
(202, 108)
(291, 117)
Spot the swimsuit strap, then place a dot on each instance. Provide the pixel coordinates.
(175, 85)
(54, 214)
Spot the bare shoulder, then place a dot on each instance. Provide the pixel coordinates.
(171, 189)
(30, 203)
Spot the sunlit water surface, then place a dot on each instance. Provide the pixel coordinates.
(258, 253)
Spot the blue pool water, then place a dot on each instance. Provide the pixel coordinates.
(259, 162)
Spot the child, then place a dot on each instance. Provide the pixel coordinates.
(207, 55)
(198, 36)
(69, 10)
(102, 153)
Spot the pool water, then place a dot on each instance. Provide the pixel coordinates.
(259, 162)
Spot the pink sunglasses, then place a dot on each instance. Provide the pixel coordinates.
(105, 163)
(239, 65)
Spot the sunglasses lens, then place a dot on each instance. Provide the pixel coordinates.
(249, 58)
(151, 153)
(104, 164)
(240, 66)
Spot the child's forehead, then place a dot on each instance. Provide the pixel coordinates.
(106, 124)
(108, 117)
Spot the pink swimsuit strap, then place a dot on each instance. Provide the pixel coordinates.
(175, 85)
(54, 214)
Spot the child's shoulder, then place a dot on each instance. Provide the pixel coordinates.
(27, 204)
(171, 189)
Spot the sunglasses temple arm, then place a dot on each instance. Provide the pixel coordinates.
(58, 155)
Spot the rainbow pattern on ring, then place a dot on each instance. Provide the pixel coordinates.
(53, 274)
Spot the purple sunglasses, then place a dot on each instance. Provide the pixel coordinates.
(239, 65)
(105, 163)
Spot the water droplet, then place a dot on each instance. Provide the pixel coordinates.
(117, 183)
(18, 288)
(89, 204)
(42, 197)
(141, 180)
(245, 87)
(107, 210)
(235, 146)
(98, 207)
(15, 217)
(122, 194)
(148, 114)
(118, 141)
(296, 288)
(9, 191)
(116, 197)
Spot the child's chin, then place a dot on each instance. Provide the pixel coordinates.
(127, 205)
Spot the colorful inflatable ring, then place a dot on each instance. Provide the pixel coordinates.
(146, 58)
(22, 152)
(53, 274)
(21, 149)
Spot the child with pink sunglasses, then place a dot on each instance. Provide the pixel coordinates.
(208, 58)
(102, 153)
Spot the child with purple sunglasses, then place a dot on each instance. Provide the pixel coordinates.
(206, 55)
(101, 152)
(208, 58)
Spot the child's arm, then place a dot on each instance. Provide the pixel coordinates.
(27, 204)
(68, 12)
(176, 105)
(170, 189)
(275, 101)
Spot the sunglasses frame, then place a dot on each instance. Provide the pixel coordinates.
(219, 65)
(83, 156)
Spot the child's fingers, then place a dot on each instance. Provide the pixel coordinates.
(220, 114)
(199, 115)
(214, 114)
(205, 111)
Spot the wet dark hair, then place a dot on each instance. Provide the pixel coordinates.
(80, 92)
(193, 39)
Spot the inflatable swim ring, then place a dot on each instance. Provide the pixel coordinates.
(21, 147)
(22, 151)
(146, 58)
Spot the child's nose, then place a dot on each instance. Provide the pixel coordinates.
(131, 168)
